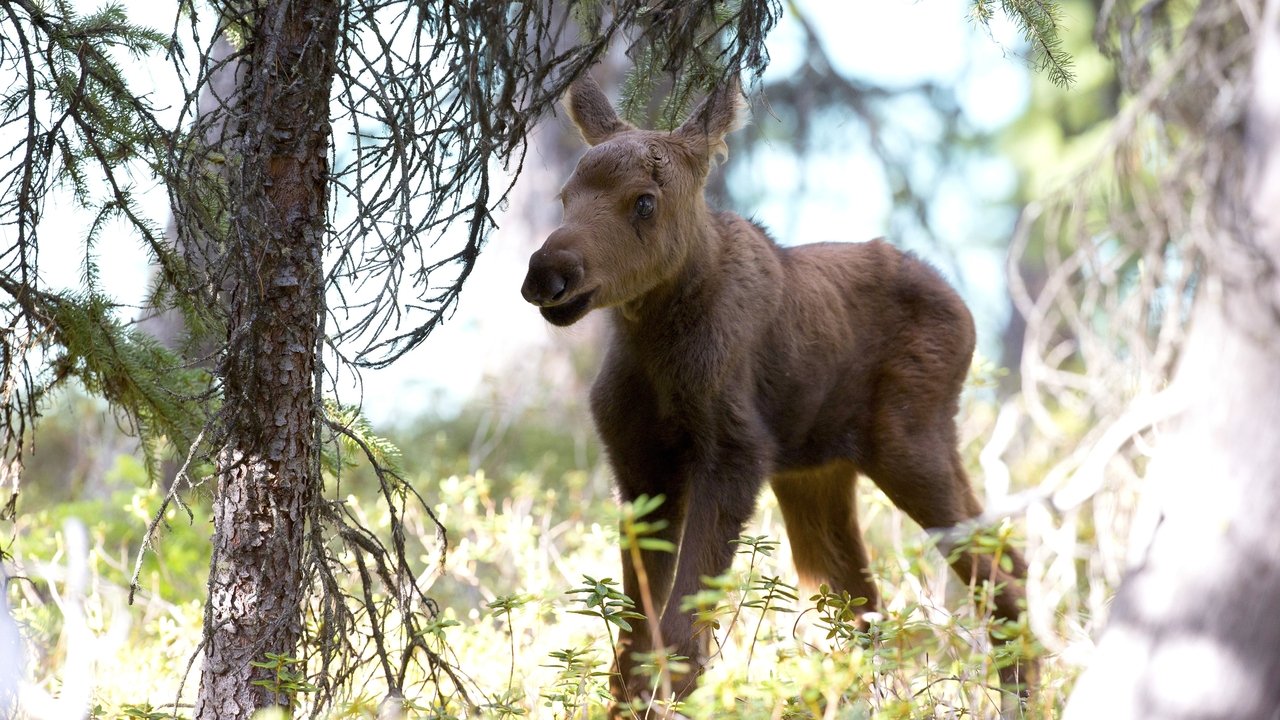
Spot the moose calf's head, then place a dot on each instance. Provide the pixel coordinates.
(632, 208)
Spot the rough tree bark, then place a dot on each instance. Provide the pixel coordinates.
(1193, 631)
(267, 467)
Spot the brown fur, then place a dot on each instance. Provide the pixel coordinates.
(734, 362)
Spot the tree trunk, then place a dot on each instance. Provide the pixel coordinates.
(267, 467)
(1194, 630)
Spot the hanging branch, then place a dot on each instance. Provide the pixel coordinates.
(437, 98)
(1038, 21)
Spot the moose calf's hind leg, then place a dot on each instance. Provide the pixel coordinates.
(923, 475)
(819, 508)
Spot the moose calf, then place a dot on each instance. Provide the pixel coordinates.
(734, 361)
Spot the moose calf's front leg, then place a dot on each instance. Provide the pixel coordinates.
(647, 584)
(717, 509)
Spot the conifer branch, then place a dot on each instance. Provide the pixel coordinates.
(1038, 21)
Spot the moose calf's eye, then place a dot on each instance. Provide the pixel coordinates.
(645, 205)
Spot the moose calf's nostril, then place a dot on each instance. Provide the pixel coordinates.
(555, 287)
(544, 286)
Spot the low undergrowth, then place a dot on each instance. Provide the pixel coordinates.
(527, 611)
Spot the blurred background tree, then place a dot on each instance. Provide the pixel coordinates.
(1180, 274)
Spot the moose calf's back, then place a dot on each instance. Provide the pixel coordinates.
(850, 317)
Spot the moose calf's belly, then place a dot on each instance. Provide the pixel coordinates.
(817, 457)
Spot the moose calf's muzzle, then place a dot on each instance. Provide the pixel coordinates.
(553, 277)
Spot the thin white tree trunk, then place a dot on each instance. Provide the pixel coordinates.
(214, 112)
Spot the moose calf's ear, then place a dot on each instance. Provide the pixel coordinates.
(591, 112)
(722, 112)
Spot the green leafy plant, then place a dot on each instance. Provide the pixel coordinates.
(138, 712)
(520, 531)
(1040, 24)
(504, 605)
(577, 681)
(602, 599)
(768, 595)
(839, 615)
(287, 679)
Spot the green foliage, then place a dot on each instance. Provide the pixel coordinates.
(770, 595)
(1040, 22)
(637, 90)
(602, 599)
(144, 711)
(140, 652)
(288, 677)
(162, 402)
(710, 604)
(577, 684)
(101, 123)
(87, 130)
(658, 91)
(838, 614)
(504, 605)
(755, 546)
(115, 514)
(162, 399)
(684, 72)
(505, 705)
(355, 444)
(513, 447)
(637, 531)
(1063, 129)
